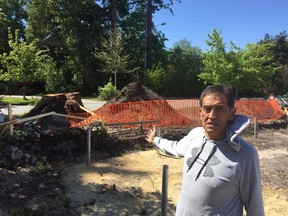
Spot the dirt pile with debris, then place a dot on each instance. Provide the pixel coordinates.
(135, 91)
(57, 175)
(151, 107)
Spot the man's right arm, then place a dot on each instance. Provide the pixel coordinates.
(171, 147)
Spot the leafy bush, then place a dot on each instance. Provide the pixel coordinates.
(108, 91)
(155, 78)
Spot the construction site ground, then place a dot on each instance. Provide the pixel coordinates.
(131, 184)
(126, 177)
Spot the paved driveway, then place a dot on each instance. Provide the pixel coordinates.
(92, 104)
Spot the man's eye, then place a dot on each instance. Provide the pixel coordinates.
(219, 109)
(207, 109)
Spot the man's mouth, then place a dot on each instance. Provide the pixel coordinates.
(211, 124)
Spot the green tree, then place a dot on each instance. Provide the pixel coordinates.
(155, 79)
(255, 68)
(108, 91)
(113, 57)
(13, 15)
(279, 82)
(72, 30)
(69, 29)
(245, 69)
(185, 63)
(25, 62)
(218, 67)
(134, 23)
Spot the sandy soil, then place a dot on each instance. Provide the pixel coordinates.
(132, 183)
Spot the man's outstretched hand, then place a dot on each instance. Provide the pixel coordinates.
(151, 134)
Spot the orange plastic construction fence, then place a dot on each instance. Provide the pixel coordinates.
(161, 113)
(263, 110)
(170, 113)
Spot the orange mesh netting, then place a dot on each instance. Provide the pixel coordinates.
(171, 113)
(158, 112)
(263, 110)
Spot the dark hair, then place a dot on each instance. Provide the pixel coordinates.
(222, 89)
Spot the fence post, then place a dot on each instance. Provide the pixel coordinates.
(10, 118)
(255, 127)
(158, 131)
(89, 128)
(164, 190)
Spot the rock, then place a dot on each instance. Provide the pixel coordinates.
(17, 154)
(2, 213)
(50, 204)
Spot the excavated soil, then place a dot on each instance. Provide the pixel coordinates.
(125, 174)
(131, 184)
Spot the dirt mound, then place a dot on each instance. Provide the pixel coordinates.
(135, 91)
(137, 103)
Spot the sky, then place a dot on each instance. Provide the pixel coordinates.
(240, 22)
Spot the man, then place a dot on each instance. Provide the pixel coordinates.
(221, 171)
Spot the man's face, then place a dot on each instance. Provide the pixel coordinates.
(215, 115)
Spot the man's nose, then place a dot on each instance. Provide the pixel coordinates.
(212, 113)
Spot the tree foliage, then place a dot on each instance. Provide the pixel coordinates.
(113, 57)
(73, 29)
(218, 67)
(155, 78)
(185, 63)
(57, 42)
(245, 70)
(12, 16)
(69, 29)
(108, 91)
(255, 68)
(25, 62)
(279, 82)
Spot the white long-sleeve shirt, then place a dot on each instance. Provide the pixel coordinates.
(219, 177)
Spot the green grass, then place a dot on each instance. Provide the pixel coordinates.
(19, 101)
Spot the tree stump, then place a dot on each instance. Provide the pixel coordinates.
(62, 103)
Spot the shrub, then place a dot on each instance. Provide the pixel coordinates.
(108, 91)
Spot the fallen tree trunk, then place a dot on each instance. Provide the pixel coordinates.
(62, 103)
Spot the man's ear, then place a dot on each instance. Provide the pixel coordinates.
(232, 114)
(200, 109)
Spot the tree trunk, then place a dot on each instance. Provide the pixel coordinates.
(148, 34)
(113, 5)
(62, 103)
